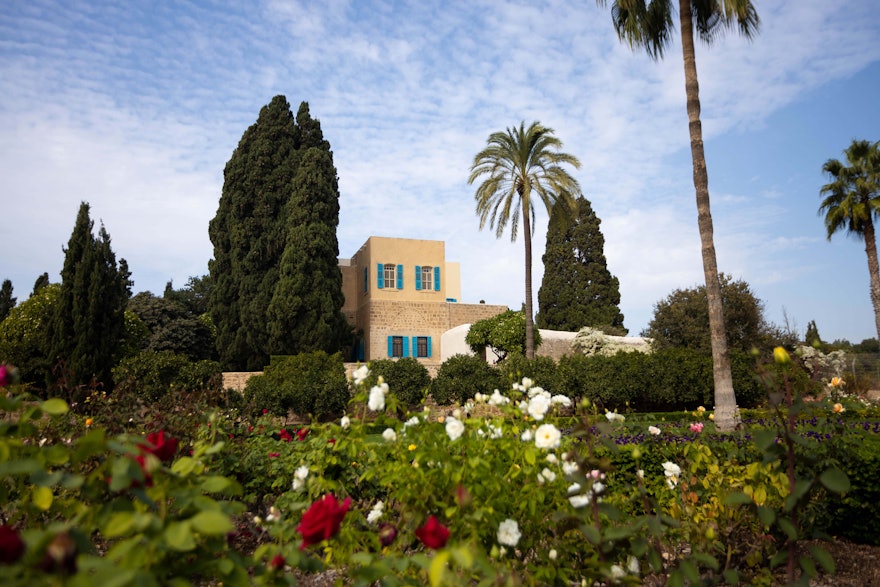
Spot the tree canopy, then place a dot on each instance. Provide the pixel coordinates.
(279, 191)
(504, 333)
(577, 289)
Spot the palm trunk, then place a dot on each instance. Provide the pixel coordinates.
(726, 412)
(530, 325)
(873, 271)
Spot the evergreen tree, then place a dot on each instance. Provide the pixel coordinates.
(812, 337)
(251, 234)
(577, 289)
(88, 326)
(41, 282)
(7, 302)
(305, 314)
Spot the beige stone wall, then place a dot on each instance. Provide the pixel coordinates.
(237, 380)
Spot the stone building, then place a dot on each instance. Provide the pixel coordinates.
(401, 296)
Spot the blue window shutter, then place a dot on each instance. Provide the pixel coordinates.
(380, 276)
(429, 346)
(400, 277)
(437, 278)
(418, 278)
(405, 346)
(390, 346)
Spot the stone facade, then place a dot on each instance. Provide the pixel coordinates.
(401, 295)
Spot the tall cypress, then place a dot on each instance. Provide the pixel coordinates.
(306, 311)
(7, 302)
(87, 328)
(251, 234)
(577, 289)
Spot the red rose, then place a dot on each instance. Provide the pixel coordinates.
(11, 545)
(274, 455)
(277, 562)
(387, 534)
(4, 376)
(433, 534)
(322, 520)
(148, 477)
(285, 435)
(302, 433)
(157, 444)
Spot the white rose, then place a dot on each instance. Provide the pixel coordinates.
(454, 428)
(547, 436)
(508, 533)
(389, 434)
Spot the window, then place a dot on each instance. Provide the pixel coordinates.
(389, 276)
(396, 346)
(427, 278)
(423, 346)
(390, 270)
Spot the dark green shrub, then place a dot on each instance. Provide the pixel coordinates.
(149, 375)
(541, 370)
(461, 377)
(408, 379)
(308, 384)
(855, 515)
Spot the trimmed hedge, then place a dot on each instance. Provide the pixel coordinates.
(408, 379)
(461, 377)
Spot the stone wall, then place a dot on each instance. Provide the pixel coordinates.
(237, 379)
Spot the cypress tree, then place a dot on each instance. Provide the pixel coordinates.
(577, 289)
(305, 314)
(41, 282)
(88, 326)
(7, 302)
(257, 258)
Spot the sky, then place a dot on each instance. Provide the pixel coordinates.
(135, 107)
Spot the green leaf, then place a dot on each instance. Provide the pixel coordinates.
(438, 566)
(766, 515)
(530, 456)
(591, 533)
(179, 536)
(731, 577)
(215, 484)
(764, 439)
(786, 526)
(825, 560)
(55, 406)
(42, 497)
(211, 523)
(184, 466)
(808, 566)
(737, 498)
(834, 480)
(20, 467)
(120, 524)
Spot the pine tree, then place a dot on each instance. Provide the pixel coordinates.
(41, 282)
(255, 263)
(812, 337)
(88, 326)
(7, 302)
(577, 289)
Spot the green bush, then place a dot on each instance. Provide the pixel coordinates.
(855, 515)
(308, 384)
(150, 375)
(541, 370)
(408, 379)
(461, 377)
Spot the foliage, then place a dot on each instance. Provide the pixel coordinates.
(518, 167)
(305, 312)
(682, 318)
(409, 379)
(7, 301)
(23, 335)
(516, 367)
(811, 337)
(503, 333)
(577, 289)
(854, 515)
(851, 202)
(194, 296)
(307, 385)
(172, 327)
(151, 375)
(41, 282)
(87, 329)
(460, 377)
(274, 235)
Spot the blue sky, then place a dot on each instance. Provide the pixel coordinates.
(135, 107)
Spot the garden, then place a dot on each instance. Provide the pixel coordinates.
(513, 485)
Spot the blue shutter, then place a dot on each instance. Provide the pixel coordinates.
(429, 346)
(400, 277)
(405, 346)
(418, 278)
(390, 346)
(380, 276)
(437, 278)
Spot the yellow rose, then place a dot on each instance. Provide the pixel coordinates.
(781, 356)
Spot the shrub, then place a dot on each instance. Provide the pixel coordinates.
(461, 377)
(407, 378)
(541, 370)
(308, 384)
(855, 515)
(149, 375)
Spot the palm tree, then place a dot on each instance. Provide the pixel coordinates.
(649, 24)
(852, 200)
(519, 164)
